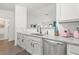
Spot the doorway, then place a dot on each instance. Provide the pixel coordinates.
(4, 31)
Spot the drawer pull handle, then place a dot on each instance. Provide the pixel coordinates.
(22, 40)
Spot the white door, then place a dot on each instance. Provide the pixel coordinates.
(4, 29)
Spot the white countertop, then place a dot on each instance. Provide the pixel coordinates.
(63, 39)
(71, 40)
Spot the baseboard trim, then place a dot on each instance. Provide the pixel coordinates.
(11, 41)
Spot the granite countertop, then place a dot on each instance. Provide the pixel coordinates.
(69, 40)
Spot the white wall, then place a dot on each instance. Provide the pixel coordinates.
(39, 16)
(9, 16)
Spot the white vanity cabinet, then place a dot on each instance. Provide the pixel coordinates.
(34, 45)
(72, 49)
(31, 44)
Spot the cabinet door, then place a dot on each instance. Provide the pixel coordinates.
(29, 47)
(48, 48)
(68, 11)
(28, 44)
(45, 48)
(72, 49)
(18, 39)
(37, 48)
(33, 45)
(53, 47)
(22, 41)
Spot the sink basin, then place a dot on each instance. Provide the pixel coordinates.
(37, 34)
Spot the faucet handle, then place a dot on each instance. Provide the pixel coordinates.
(47, 32)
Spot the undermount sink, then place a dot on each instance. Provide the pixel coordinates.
(37, 34)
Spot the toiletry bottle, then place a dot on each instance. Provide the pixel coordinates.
(56, 32)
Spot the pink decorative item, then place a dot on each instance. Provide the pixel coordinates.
(65, 33)
(76, 34)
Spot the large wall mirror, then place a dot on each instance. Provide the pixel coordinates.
(43, 16)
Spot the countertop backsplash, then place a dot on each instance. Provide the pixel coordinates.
(70, 25)
(44, 31)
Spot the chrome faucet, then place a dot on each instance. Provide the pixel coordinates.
(39, 29)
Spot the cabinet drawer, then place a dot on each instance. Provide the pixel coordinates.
(34, 38)
(73, 49)
(20, 35)
(23, 36)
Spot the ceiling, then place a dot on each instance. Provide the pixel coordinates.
(7, 6)
(30, 6)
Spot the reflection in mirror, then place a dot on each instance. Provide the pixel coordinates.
(2, 23)
(44, 16)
